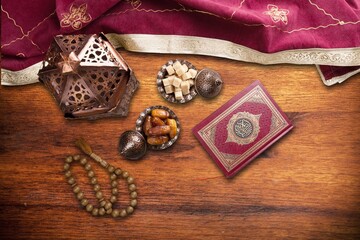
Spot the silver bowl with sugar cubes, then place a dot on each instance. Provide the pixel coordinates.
(176, 81)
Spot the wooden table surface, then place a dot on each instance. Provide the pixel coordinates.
(306, 186)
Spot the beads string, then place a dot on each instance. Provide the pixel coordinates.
(105, 206)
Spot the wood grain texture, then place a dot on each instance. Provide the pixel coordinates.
(306, 186)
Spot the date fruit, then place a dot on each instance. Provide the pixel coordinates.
(173, 127)
(160, 113)
(159, 130)
(157, 140)
(147, 125)
(156, 121)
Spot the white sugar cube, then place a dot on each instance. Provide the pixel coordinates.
(176, 82)
(171, 79)
(167, 82)
(186, 76)
(185, 87)
(170, 70)
(169, 89)
(185, 67)
(178, 68)
(178, 95)
(180, 71)
(193, 72)
(176, 65)
(191, 82)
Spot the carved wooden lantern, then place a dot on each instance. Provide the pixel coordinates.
(88, 77)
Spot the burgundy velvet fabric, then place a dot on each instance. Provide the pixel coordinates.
(330, 72)
(269, 26)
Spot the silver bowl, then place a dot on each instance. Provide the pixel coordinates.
(171, 97)
(140, 122)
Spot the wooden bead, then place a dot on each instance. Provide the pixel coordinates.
(71, 181)
(80, 195)
(93, 181)
(133, 194)
(101, 211)
(95, 212)
(99, 195)
(84, 202)
(118, 171)
(114, 191)
(69, 159)
(83, 161)
(132, 187)
(129, 209)
(76, 157)
(102, 203)
(123, 213)
(130, 180)
(68, 174)
(114, 184)
(89, 207)
(76, 189)
(115, 213)
(125, 174)
(111, 169)
(133, 203)
(91, 174)
(113, 176)
(113, 199)
(87, 166)
(97, 187)
(66, 166)
(108, 205)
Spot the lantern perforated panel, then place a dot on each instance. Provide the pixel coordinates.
(87, 77)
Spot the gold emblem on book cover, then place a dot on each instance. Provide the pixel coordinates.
(243, 128)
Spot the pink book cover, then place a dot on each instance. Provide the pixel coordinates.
(242, 128)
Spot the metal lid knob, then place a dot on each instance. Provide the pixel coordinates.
(208, 83)
(132, 145)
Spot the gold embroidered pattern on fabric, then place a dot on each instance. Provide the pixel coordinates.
(323, 11)
(232, 15)
(134, 3)
(21, 29)
(75, 17)
(28, 33)
(277, 14)
(184, 9)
